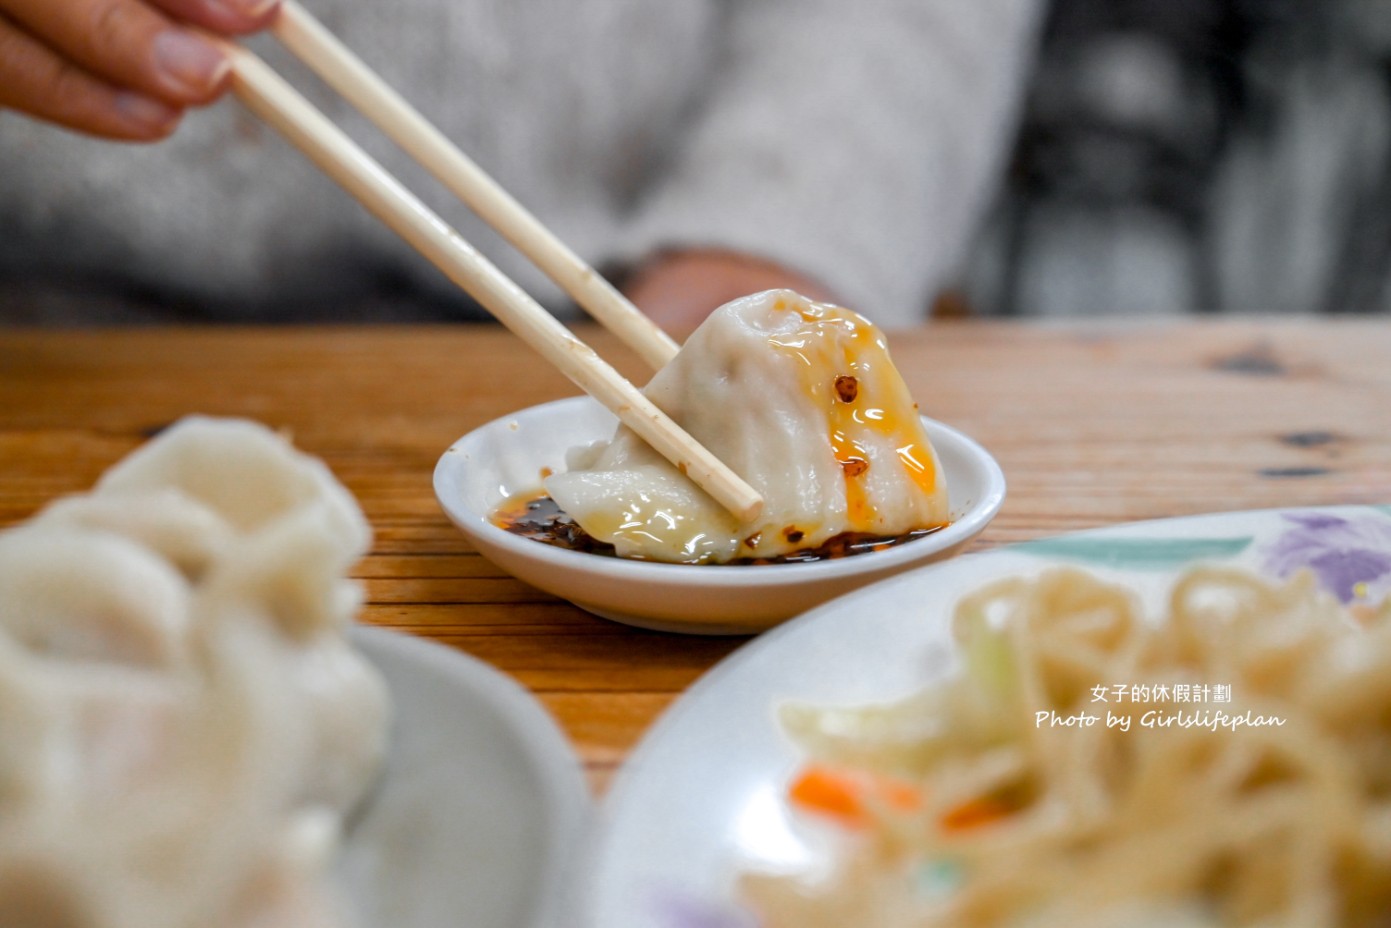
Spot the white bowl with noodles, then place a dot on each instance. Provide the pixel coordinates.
(509, 456)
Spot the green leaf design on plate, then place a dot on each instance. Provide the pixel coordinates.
(1384, 509)
(1136, 553)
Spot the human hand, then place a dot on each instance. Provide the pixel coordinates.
(678, 289)
(120, 69)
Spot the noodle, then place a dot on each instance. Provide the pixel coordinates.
(1267, 802)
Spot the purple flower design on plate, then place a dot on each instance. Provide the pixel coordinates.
(684, 910)
(1350, 556)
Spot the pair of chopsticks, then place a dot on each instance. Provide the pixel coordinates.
(268, 95)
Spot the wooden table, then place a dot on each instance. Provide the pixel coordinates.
(1093, 423)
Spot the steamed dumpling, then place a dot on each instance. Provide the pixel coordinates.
(203, 483)
(72, 594)
(183, 724)
(136, 798)
(798, 398)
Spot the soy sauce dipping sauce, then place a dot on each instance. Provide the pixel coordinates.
(541, 519)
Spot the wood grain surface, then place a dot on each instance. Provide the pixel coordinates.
(1094, 423)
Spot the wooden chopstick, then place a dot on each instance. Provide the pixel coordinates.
(346, 73)
(267, 95)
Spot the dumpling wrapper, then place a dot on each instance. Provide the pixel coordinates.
(204, 484)
(800, 399)
(72, 594)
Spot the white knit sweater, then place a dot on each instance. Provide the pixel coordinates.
(854, 141)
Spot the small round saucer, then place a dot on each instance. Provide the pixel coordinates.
(508, 456)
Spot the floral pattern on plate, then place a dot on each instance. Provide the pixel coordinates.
(1350, 555)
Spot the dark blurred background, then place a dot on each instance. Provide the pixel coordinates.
(1172, 157)
(1196, 156)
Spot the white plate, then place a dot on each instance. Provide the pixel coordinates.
(506, 457)
(482, 805)
(700, 799)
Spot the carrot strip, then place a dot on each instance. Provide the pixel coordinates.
(974, 813)
(848, 796)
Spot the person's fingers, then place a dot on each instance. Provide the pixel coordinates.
(678, 289)
(228, 17)
(35, 80)
(128, 43)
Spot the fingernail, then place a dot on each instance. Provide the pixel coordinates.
(252, 8)
(144, 111)
(192, 64)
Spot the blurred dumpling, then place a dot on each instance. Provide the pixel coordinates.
(798, 398)
(73, 594)
(239, 469)
(204, 482)
(183, 723)
(289, 575)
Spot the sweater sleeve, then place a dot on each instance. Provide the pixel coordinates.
(854, 142)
